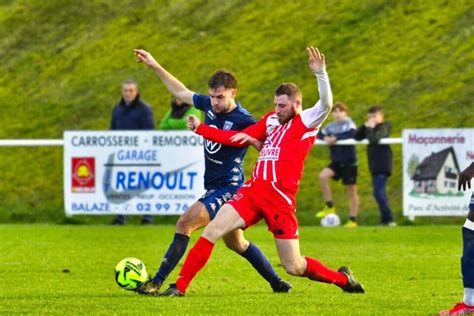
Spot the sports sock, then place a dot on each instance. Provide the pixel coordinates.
(175, 252)
(468, 296)
(195, 261)
(329, 203)
(258, 260)
(317, 271)
(467, 262)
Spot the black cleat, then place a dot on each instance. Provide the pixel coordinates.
(281, 287)
(352, 286)
(172, 291)
(117, 222)
(149, 288)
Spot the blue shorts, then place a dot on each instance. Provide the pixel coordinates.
(213, 199)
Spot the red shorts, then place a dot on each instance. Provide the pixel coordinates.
(264, 199)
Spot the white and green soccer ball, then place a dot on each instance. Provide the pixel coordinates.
(130, 273)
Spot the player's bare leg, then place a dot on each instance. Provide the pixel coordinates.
(295, 264)
(324, 177)
(194, 218)
(354, 205)
(236, 241)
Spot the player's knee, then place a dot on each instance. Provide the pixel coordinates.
(323, 177)
(183, 226)
(212, 232)
(294, 268)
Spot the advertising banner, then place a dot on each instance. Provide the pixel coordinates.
(432, 161)
(128, 172)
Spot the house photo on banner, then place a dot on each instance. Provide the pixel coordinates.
(432, 161)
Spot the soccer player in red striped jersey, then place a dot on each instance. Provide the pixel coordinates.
(288, 134)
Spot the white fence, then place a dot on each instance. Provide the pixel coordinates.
(60, 142)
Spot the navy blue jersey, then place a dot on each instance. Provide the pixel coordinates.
(223, 163)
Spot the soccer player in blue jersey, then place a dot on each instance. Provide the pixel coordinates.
(467, 261)
(223, 173)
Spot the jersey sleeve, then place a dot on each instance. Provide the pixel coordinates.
(315, 116)
(374, 135)
(218, 135)
(257, 131)
(360, 133)
(201, 102)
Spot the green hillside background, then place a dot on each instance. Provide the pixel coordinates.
(62, 63)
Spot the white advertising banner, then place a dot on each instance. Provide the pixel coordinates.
(132, 172)
(432, 161)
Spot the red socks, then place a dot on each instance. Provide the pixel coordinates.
(200, 253)
(315, 270)
(195, 261)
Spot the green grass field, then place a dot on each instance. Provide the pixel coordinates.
(406, 271)
(63, 61)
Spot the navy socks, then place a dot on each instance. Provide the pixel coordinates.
(258, 260)
(175, 252)
(467, 260)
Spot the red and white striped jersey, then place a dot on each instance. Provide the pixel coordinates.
(286, 146)
(284, 150)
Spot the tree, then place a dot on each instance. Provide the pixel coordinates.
(413, 163)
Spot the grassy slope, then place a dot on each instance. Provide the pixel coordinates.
(62, 62)
(391, 263)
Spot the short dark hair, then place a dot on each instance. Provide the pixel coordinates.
(130, 81)
(223, 78)
(375, 109)
(342, 107)
(290, 89)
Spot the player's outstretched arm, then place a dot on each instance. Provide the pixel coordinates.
(315, 116)
(212, 133)
(229, 138)
(176, 87)
(464, 180)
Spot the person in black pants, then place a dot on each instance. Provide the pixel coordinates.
(131, 114)
(380, 159)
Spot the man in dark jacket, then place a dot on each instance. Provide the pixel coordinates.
(379, 157)
(131, 114)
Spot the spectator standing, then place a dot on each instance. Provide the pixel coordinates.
(131, 114)
(175, 118)
(380, 159)
(343, 163)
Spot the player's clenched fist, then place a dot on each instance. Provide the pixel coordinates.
(193, 123)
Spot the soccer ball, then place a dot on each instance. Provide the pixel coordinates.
(330, 220)
(130, 273)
